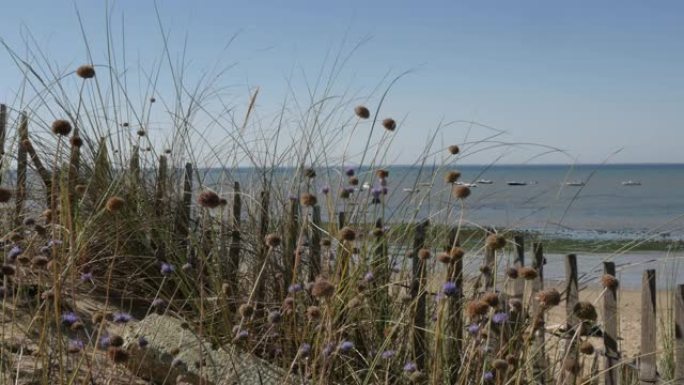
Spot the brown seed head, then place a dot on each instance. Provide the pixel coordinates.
(549, 298)
(313, 313)
(495, 241)
(389, 124)
(8, 270)
(585, 311)
(362, 112)
(116, 340)
(609, 282)
(500, 365)
(325, 242)
(456, 252)
(445, 258)
(586, 348)
(454, 149)
(308, 199)
(76, 141)
(272, 240)
(476, 308)
(452, 176)
(424, 254)
(491, 298)
(382, 173)
(347, 234)
(115, 204)
(246, 310)
(61, 127)
(485, 269)
(5, 195)
(322, 288)
(86, 71)
(354, 181)
(527, 272)
(40, 261)
(141, 132)
(209, 199)
(512, 273)
(461, 192)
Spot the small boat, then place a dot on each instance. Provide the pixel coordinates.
(466, 184)
(485, 181)
(410, 190)
(575, 183)
(631, 183)
(365, 186)
(515, 183)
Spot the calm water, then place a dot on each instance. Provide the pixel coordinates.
(602, 208)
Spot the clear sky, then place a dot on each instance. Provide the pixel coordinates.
(586, 76)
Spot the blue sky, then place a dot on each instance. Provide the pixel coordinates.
(585, 76)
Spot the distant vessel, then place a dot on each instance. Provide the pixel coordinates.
(466, 184)
(366, 186)
(410, 190)
(631, 183)
(514, 183)
(574, 183)
(485, 181)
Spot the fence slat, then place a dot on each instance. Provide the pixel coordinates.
(571, 299)
(3, 135)
(539, 363)
(610, 329)
(315, 244)
(22, 165)
(518, 285)
(454, 327)
(647, 362)
(234, 248)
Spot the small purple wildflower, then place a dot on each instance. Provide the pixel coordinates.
(14, 252)
(499, 318)
(104, 343)
(121, 318)
(473, 328)
(376, 192)
(295, 288)
(76, 345)
(142, 342)
(87, 277)
(46, 250)
(325, 190)
(349, 171)
(242, 335)
(488, 376)
(54, 242)
(410, 367)
(368, 277)
(449, 289)
(167, 269)
(69, 318)
(350, 189)
(158, 303)
(346, 346)
(305, 350)
(387, 354)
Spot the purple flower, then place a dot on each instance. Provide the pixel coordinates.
(121, 318)
(46, 250)
(158, 303)
(349, 189)
(305, 349)
(54, 242)
(387, 354)
(241, 335)
(346, 346)
(349, 171)
(376, 192)
(14, 252)
(104, 342)
(473, 328)
(295, 288)
(87, 277)
(142, 342)
(410, 367)
(75, 345)
(325, 190)
(488, 376)
(292, 197)
(499, 318)
(449, 289)
(69, 318)
(167, 269)
(368, 277)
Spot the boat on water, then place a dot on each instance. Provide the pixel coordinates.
(466, 184)
(410, 190)
(485, 181)
(366, 186)
(516, 183)
(631, 183)
(574, 183)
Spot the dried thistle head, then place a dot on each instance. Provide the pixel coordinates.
(495, 241)
(61, 127)
(115, 204)
(512, 273)
(354, 181)
(585, 311)
(527, 272)
(322, 288)
(452, 176)
(5, 194)
(246, 310)
(313, 313)
(444, 257)
(491, 298)
(85, 71)
(382, 173)
(347, 234)
(389, 124)
(586, 348)
(461, 192)
(500, 365)
(477, 308)
(76, 141)
(209, 199)
(362, 112)
(424, 254)
(549, 298)
(453, 149)
(457, 252)
(272, 240)
(609, 282)
(308, 200)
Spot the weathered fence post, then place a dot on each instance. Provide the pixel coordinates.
(234, 248)
(518, 284)
(264, 220)
(22, 163)
(3, 135)
(539, 363)
(315, 244)
(610, 329)
(454, 314)
(647, 361)
(489, 263)
(679, 335)
(573, 323)
(341, 219)
(418, 294)
(290, 247)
